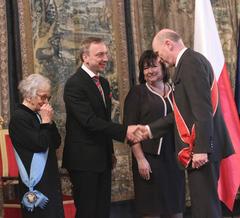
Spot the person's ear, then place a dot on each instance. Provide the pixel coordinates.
(84, 57)
(169, 44)
(28, 99)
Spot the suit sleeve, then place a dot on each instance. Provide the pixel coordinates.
(162, 126)
(55, 136)
(132, 110)
(77, 103)
(197, 84)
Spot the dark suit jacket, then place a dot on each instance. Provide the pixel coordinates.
(192, 91)
(89, 129)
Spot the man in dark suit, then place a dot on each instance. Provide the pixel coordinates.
(201, 136)
(88, 151)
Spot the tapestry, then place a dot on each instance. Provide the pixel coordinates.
(58, 28)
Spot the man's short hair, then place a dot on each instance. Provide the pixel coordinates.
(84, 47)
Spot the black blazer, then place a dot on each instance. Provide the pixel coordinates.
(89, 129)
(29, 136)
(192, 91)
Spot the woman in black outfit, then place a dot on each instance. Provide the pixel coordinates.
(158, 182)
(34, 134)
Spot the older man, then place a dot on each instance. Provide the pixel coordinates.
(201, 136)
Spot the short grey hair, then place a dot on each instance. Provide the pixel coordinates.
(29, 86)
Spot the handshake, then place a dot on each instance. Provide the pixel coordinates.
(137, 133)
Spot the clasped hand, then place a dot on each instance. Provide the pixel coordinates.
(137, 133)
(199, 160)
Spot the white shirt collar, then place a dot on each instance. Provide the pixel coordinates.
(89, 72)
(180, 55)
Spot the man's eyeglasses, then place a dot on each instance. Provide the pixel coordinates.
(44, 97)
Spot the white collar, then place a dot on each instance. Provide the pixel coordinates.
(180, 55)
(89, 72)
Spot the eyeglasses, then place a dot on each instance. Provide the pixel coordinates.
(44, 97)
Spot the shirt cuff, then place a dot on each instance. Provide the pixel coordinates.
(149, 132)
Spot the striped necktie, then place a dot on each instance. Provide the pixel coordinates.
(98, 84)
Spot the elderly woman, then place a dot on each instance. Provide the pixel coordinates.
(35, 139)
(158, 183)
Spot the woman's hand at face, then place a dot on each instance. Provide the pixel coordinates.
(46, 113)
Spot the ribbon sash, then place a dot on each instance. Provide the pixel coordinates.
(185, 154)
(33, 198)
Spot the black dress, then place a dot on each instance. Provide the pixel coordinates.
(28, 137)
(164, 192)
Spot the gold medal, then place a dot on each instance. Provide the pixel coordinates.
(31, 197)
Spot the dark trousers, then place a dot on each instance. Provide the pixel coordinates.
(203, 191)
(91, 193)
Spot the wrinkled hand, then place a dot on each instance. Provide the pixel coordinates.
(137, 133)
(144, 168)
(199, 160)
(46, 113)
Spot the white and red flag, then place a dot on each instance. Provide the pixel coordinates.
(207, 42)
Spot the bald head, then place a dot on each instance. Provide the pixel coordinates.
(168, 34)
(167, 44)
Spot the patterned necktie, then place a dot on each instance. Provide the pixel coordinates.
(98, 84)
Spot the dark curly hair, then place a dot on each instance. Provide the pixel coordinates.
(148, 58)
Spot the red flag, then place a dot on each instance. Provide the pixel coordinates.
(207, 42)
(237, 82)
